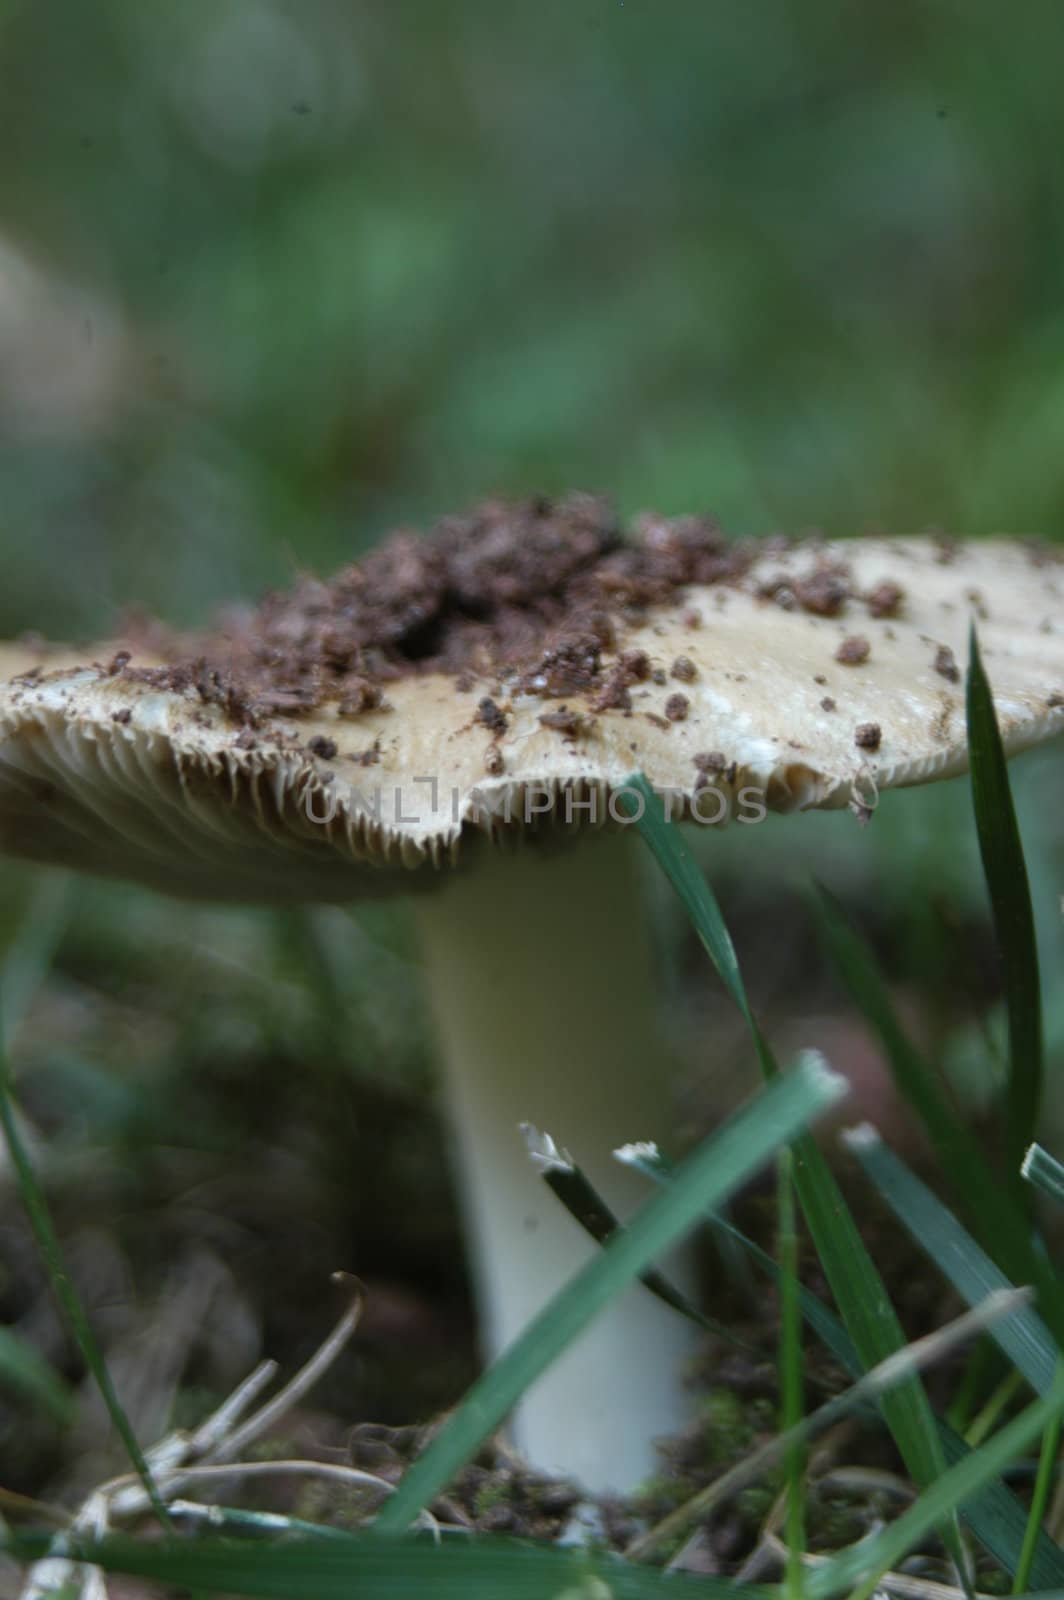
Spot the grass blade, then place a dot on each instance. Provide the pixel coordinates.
(1045, 1172)
(1043, 1488)
(1010, 901)
(863, 1564)
(24, 1372)
(857, 1286)
(374, 1568)
(791, 1365)
(673, 855)
(705, 1179)
(796, 1436)
(1025, 1339)
(571, 1186)
(998, 1221)
(993, 1514)
(62, 1286)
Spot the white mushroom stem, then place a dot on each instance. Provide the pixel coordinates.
(541, 976)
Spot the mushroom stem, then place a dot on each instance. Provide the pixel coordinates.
(541, 977)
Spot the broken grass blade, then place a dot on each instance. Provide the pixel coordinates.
(574, 1190)
(1025, 1339)
(1044, 1171)
(1005, 871)
(711, 1173)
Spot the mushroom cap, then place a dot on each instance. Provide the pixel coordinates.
(811, 674)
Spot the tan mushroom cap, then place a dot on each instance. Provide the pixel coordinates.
(100, 771)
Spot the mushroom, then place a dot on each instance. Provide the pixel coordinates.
(445, 717)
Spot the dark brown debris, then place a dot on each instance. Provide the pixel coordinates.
(614, 695)
(359, 695)
(636, 665)
(323, 747)
(946, 664)
(884, 600)
(827, 704)
(527, 593)
(676, 707)
(367, 758)
(490, 716)
(684, 669)
(868, 735)
(853, 651)
(566, 721)
(826, 592)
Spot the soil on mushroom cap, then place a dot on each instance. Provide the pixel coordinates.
(533, 589)
(530, 592)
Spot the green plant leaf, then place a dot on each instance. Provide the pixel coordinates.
(1045, 1172)
(993, 1514)
(374, 1568)
(1024, 1338)
(62, 1287)
(997, 1219)
(25, 1373)
(708, 1176)
(857, 1286)
(863, 1564)
(1010, 902)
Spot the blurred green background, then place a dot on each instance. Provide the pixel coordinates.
(275, 277)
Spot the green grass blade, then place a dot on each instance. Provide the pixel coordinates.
(25, 1373)
(1043, 1488)
(1045, 1172)
(997, 1220)
(673, 855)
(791, 1365)
(994, 1515)
(864, 1564)
(30, 954)
(706, 1178)
(573, 1189)
(795, 1437)
(62, 1286)
(869, 1317)
(857, 1286)
(373, 1568)
(1010, 901)
(1025, 1339)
